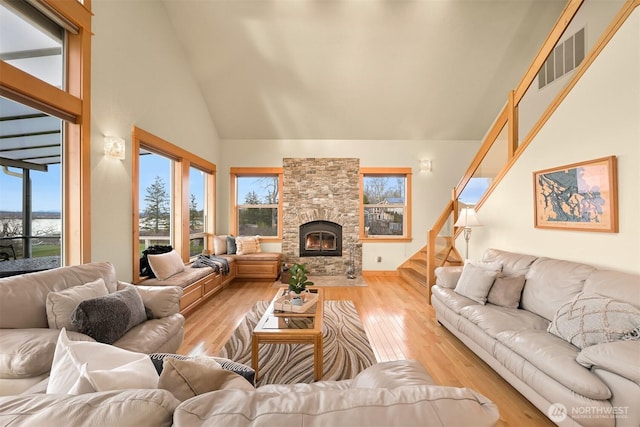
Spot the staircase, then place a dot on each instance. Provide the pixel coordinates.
(414, 271)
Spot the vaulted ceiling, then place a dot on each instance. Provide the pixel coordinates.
(359, 69)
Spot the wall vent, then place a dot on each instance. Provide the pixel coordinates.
(564, 58)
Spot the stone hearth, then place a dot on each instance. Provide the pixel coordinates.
(321, 189)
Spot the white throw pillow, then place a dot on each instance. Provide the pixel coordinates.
(219, 245)
(491, 266)
(85, 367)
(166, 265)
(60, 305)
(475, 282)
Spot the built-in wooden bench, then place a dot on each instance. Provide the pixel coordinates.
(199, 284)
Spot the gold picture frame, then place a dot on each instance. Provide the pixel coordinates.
(580, 196)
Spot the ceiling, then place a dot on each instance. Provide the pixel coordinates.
(359, 69)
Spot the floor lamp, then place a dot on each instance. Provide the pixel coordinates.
(467, 219)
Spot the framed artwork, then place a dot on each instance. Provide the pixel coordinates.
(581, 196)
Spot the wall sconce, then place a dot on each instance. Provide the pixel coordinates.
(467, 219)
(114, 147)
(425, 165)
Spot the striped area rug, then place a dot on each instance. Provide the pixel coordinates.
(346, 348)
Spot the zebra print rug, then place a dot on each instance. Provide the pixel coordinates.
(346, 348)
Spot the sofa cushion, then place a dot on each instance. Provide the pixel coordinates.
(593, 319)
(110, 408)
(493, 319)
(401, 406)
(166, 265)
(399, 373)
(248, 245)
(62, 304)
(26, 353)
(557, 359)
(513, 264)
(153, 335)
(614, 284)
(108, 318)
(475, 282)
(24, 297)
(188, 378)
(551, 283)
(86, 367)
(448, 276)
(619, 357)
(506, 291)
(451, 299)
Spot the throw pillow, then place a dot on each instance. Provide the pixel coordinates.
(231, 245)
(188, 378)
(506, 291)
(475, 282)
(589, 319)
(85, 367)
(60, 305)
(106, 319)
(447, 277)
(491, 266)
(219, 245)
(244, 371)
(166, 265)
(248, 245)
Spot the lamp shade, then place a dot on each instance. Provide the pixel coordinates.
(468, 218)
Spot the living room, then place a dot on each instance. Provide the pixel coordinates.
(137, 80)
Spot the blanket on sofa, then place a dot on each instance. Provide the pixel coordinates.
(219, 264)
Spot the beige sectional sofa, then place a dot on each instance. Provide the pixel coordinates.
(568, 344)
(27, 342)
(398, 393)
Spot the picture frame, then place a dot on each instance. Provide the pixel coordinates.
(580, 196)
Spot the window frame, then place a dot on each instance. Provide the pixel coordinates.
(73, 105)
(183, 160)
(382, 172)
(236, 172)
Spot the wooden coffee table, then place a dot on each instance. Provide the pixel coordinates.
(291, 328)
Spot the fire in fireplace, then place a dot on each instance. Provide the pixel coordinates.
(320, 238)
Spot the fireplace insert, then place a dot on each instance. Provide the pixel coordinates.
(320, 238)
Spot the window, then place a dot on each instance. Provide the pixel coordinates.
(385, 203)
(197, 211)
(257, 204)
(173, 199)
(44, 61)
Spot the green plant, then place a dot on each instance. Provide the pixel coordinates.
(298, 281)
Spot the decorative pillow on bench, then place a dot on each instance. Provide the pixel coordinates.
(166, 265)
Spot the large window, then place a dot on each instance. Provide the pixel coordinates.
(173, 201)
(45, 51)
(257, 208)
(385, 203)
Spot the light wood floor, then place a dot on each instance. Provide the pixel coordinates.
(400, 324)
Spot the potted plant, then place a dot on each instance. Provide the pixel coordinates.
(298, 281)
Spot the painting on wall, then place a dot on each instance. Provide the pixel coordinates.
(581, 196)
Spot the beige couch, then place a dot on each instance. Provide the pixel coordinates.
(578, 375)
(399, 393)
(27, 343)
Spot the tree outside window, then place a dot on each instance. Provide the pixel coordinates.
(385, 204)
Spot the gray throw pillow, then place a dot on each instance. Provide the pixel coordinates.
(506, 291)
(447, 277)
(231, 245)
(106, 319)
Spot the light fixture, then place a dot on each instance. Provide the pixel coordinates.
(114, 147)
(467, 219)
(425, 165)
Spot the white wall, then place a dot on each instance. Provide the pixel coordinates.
(600, 117)
(431, 190)
(139, 77)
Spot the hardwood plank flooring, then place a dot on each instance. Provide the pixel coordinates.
(400, 324)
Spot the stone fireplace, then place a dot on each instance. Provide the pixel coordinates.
(320, 238)
(318, 192)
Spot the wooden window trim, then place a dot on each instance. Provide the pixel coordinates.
(407, 172)
(252, 171)
(183, 161)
